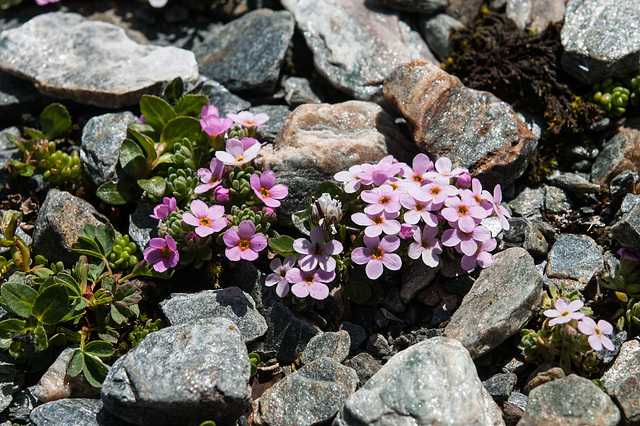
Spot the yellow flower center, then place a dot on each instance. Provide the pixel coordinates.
(165, 252)
(240, 159)
(435, 190)
(463, 210)
(205, 221)
(264, 192)
(417, 178)
(419, 207)
(377, 253)
(378, 220)
(385, 200)
(244, 244)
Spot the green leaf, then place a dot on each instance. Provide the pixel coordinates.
(282, 245)
(128, 293)
(95, 371)
(191, 105)
(117, 315)
(87, 246)
(113, 193)
(174, 90)
(179, 128)
(55, 121)
(154, 186)
(156, 111)
(132, 159)
(9, 327)
(19, 298)
(70, 282)
(300, 220)
(76, 363)
(147, 144)
(358, 291)
(35, 134)
(52, 304)
(99, 348)
(106, 237)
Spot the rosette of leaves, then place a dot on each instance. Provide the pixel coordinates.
(180, 184)
(148, 150)
(634, 85)
(625, 282)
(611, 97)
(87, 360)
(40, 153)
(140, 331)
(124, 255)
(193, 251)
(239, 184)
(260, 220)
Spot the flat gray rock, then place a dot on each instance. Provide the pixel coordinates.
(231, 303)
(102, 137)
(501, 301)
(90, 62)
(299, 90)
(436, 30)
(571, 401)
(601, 39)
(426, 384)
(622, 380)
(356, 44)
(189, 372)
(142, 227)
(9, 383)
(334, 345)
(572, 182)
(529, 203)
(574, 257)
(415, 279)
(73, 412)
(311, 395)
(248, 52)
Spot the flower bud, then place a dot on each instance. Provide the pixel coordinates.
(326, 212)
(463, 180)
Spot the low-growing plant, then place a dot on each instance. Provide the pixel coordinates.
(614, 97)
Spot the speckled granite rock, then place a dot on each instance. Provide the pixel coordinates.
(622, 380)
(595, 48)
(334, 345)
(55, 384)
(574, 257)
(620, 152)
(535, 14)
(474, 129)
(90, 62)
(73, 411)
(436, 30)
(8, 152)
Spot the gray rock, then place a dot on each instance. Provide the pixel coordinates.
(574, 257)
(571, 400)
(90, 62)
(379, 346)
(465, 11)
(327, 345)
(629, 201)
(473, 129)
(16, 95)
(365, 366)
(357, 335)
(231, 303)
(356, 44)
(188, 372)
(61, 218)
(298, 91)
(535, 14)
(436, 30)
(8, 152)
(618, 153)
(518, 227)
(142, 227)
(220, 97)
(102, 137)
(10, 383)
(424, 384)
(22, 405)
(417, 277)
(572, 182)
(622, 380)
(594, 46)
(623, 184)
(500, 385)
(428, 7)
(556, 200)
(519, 400)
(248, 52)
(618, 337)
(277, 116)
(529, 203)
(72, 412)
(501, 301)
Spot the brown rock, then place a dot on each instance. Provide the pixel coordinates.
(474, 129)
(543, 374)
(620, 153)
(464, 11)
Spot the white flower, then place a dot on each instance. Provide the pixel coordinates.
(158, 3)
(326, 211)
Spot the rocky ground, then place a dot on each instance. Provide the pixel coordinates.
(344, 82)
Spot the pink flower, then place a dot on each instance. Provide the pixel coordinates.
(45, 2)
(436, 193)
(310, 283)
(443, 173)
(418, 173)
(279, 275)
(209, 111)
(426, 245)
(221, 194)
(377, 224)
(381, 199)
(417, 210)
(463, 180)
(479, 195)
(481, 257)
(500, 211)
(211, 177)
(406, 230)
(207, 220)
(317, 252)
(247, 119)
(162, 253)
(379, 173)
(596, 333)
(564, 311)
(239, 152)
(376, 254)
(462, 212)
(141, 119)
(243, 243)
(266, 189)
(161, 211)
(466, 242)
(350, 178)
(212, 124)
(627, 255)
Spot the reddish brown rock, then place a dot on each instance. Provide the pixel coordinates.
(474, 129)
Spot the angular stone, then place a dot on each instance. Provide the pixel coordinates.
(556, 200)
(90, 62)
(436, 30)
(356, 44)
(428, 7)
(572, 182)
(594, 46)
(231, 303)
(574, 257)
(220, 97)
(189, 372)
(418, 277)
(21, 406)
(327, 345)
(623, 184)
(10, 383)
(298, 91)
(535, 14)
(102, 137)
(357, 335)
(8, 152)
(464, 11)
(73, 411)
(474, 129)
(621, 152)
(311, 395)
(570, 401)
(424, 384)
(277, 117)
(16, 95)
(500, 385)
(622, 380)
(248, 52)
(365, 366)
(501, 301)
(529, 203)
(61, 218)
